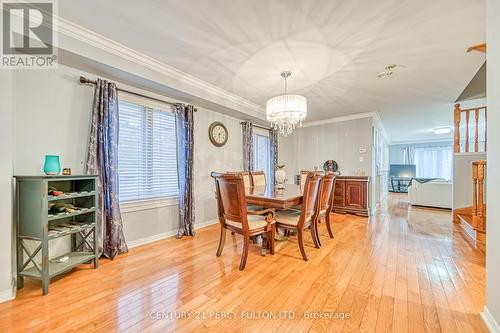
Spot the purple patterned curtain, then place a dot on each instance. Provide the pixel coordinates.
(247, 128)
(102, 160)
(273, 138)
(185, 126)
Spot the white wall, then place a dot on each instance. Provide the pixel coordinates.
(492, 309)
(339, 141)
(6, 151)
(53, 113)
(311, 146)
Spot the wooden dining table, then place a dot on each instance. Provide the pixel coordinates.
(271, 197)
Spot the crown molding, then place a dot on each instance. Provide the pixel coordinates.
(84, 35)
(340, 119)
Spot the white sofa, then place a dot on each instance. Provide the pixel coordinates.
(435, 193)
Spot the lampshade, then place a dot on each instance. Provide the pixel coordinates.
(286, 111)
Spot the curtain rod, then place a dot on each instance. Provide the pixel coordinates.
(258, 126)
(84, 80)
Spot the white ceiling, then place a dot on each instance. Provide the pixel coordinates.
(334, 49)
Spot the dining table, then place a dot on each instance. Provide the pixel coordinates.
(270, 196)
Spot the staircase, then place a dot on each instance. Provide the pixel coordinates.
(472, 220)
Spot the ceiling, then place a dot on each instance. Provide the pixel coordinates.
(334, 48)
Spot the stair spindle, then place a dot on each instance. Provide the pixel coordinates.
(467, 131)
(476, 142)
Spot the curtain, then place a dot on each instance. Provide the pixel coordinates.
(247, 145)
(102, 160)
(409, 155)
(273, 136)
(434, 162)
(184, 125)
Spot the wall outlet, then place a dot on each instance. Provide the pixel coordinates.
(361, 158)
(362, 150)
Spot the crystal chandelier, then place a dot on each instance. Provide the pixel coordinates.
(285, 111)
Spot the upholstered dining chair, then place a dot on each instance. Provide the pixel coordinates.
(299, 220)
(233, 214)
(258, 178)
(303, 177)
(326, 203)
(247, 179)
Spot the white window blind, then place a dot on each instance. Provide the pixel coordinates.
(147, 157)
(262, 153)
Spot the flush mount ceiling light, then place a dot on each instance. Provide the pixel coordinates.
(388, 71)
(286, 111)
(442, 130)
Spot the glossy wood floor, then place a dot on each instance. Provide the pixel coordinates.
(404, 270)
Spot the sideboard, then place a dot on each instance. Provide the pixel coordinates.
(351, 195)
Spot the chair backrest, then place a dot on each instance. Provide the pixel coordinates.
(231, 201)
(327, 192)
(303, 177)
(310, 199)
(247, 179)
(258, 178)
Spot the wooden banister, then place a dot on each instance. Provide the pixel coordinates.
(478, 203)
(457, 118)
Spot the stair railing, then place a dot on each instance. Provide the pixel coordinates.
(457, 120)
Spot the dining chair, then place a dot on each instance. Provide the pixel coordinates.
(233, 214)
(247, 179)
(299, 220)
(303, 177)
(326, 203)
(258, 178)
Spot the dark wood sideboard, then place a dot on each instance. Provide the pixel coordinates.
(351, 195)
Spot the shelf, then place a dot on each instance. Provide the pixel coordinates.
(75, 259)
(73, 229)
(76, 213)
(71, 196)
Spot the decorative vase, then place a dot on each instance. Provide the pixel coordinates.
(280, 176)
(52, 167)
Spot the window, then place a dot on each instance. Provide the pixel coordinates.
(262, 153)
(147, 156)
(434, 162)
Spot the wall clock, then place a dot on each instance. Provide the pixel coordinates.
(217, 133)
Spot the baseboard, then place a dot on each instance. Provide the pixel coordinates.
(490, 321)
(207, 223)
(163, 235)
(7, 295)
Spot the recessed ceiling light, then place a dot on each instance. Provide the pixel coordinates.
(442, 130)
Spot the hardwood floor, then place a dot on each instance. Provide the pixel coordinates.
(404, 270)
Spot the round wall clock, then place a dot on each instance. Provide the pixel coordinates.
(217, 133)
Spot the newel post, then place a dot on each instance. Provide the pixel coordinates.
(474, 194)
(456, 121)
